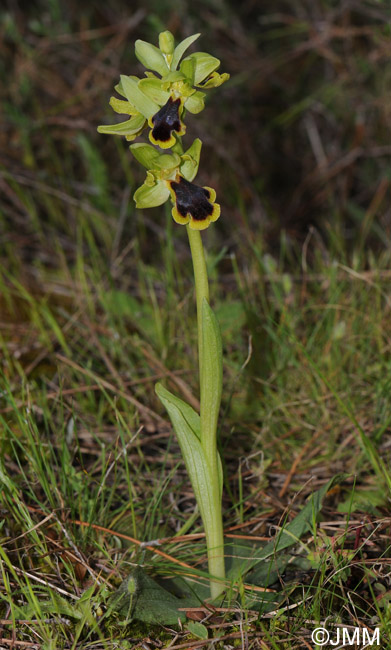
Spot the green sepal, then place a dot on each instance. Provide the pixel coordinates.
(130, 127)
(167, 161)
(181, 49)
(119, 89)
(122, 107)
(191, 160)
(195, 103)
(136, 97)
(151, 57)
(187, 68)
(205, 64)
(151, 194)
(150, 157)
(146, 154)
(183, 419)
(212, 374)
(152, 87)
(175, 75)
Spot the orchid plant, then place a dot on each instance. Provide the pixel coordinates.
(173, 85)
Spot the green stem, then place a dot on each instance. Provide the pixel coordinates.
(214, 527)
(201, 282)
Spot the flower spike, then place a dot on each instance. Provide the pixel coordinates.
(193, 205)
(171, 85)
(165, 121)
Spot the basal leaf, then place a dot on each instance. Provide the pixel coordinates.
(142, 598)
(292, 532)
(206, 486)
(190, 415)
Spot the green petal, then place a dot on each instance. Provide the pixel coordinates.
(215, 80)
(205, 64)
(136, 97)
(121, 106)
(153, 89)
(151, 57)
(191, 159)
(151, 197)
(195, 103)
(130, 127)
(181, 49)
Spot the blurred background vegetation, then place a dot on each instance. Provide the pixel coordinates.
(299, 139)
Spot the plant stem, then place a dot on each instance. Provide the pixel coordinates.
(214, 526)
(201, 282)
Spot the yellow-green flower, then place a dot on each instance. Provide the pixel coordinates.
(162, 167)
(171, 174)
(193, 205)
(171, 87)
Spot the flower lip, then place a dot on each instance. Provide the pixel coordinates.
(193, 204)
(165, 121)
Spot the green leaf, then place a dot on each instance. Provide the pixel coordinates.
(205, 64)
(151, 57)
(141, 598)
(301, 524)
(181, 49)
(212, 373)
(198, 629)
(191, 159)
(136, 97)
(188, 413)
(153, 89)
(150, 196)
(206, 487)
(130, 127)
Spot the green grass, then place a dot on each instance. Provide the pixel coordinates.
(97, 304)
(84, 439)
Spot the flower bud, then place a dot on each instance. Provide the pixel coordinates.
(166, 42)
